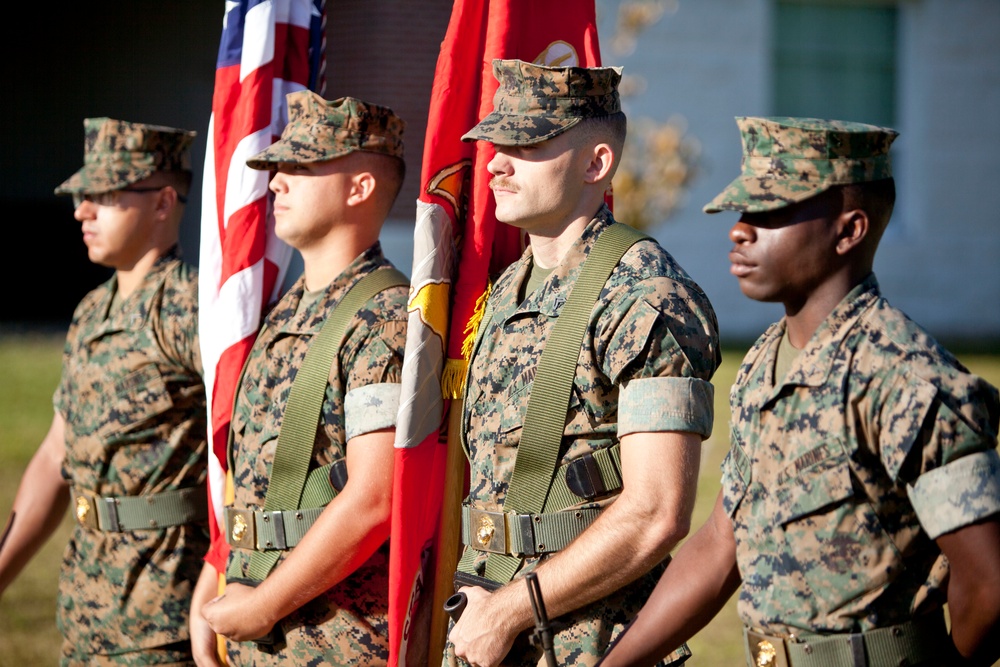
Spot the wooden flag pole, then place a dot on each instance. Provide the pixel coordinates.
(449, 542)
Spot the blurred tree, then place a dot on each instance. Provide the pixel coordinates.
(660, 158)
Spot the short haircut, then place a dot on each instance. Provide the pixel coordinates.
(876, 198)
(389, 171)
(610, 129)
(180, 180)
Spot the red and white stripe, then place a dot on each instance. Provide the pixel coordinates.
(242, 263)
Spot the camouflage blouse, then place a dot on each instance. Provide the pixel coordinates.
(349, 623)
(842, 473)
(645, 365)
(134, 404)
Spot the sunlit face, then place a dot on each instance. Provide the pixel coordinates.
(117, 225)
(309, 199)
(784, 255)
(537, 187)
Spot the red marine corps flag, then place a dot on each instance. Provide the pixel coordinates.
(457, 245)
(269, 48)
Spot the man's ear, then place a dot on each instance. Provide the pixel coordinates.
(852, 228)
(166, 200)
(600, 161)
(362, 188)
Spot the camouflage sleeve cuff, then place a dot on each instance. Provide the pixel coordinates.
(371, 407)
(666, 404)
(958, 494)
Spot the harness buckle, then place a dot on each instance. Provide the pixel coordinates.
(583, 477)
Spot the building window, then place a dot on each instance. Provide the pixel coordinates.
(836, 60)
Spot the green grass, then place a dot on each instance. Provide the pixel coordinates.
(31, 365)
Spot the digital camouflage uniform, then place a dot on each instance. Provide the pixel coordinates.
(348, 624)
(133, 401)
(877, 440)
(842, 473)
(650, 350)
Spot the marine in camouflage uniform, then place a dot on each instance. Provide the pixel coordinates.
(645, 366)
(863, 468)
(130, 423)
(347, 622)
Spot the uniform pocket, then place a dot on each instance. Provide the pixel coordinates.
(138, 399)
(832, 534)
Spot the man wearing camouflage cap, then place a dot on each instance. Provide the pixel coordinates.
(315, 590)
(621, 456)
(127, 448)
(862, 488)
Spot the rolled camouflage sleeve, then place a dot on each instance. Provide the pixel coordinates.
(666, 404)
(663, 353)
(956, 420)
(958, 494)
(373, 380)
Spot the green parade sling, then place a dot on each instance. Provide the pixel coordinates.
(298, 426)
(541, 437)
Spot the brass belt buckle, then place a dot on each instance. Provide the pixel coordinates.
(766, 651)
(488, 531)
(86, 511)
(240, 528)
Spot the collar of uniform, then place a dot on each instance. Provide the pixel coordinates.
(133, 312)
(819, 359)
(311, 320)
(551, 295)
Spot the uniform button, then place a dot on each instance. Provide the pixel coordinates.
(808, 649)
(268, 543)
(298, 515)
(152, 523)
(267, 519)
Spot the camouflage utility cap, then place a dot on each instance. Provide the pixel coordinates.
(786, 160)
(320, 129)
(535, 103)
(118, 153)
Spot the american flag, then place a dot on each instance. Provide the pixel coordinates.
(269, 48)
(457, 243)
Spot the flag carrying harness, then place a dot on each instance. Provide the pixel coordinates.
(296, 496)
(522, 529)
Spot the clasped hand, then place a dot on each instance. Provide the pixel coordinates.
(237, 615)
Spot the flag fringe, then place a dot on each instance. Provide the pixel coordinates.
(453, 378)
(472, 326)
